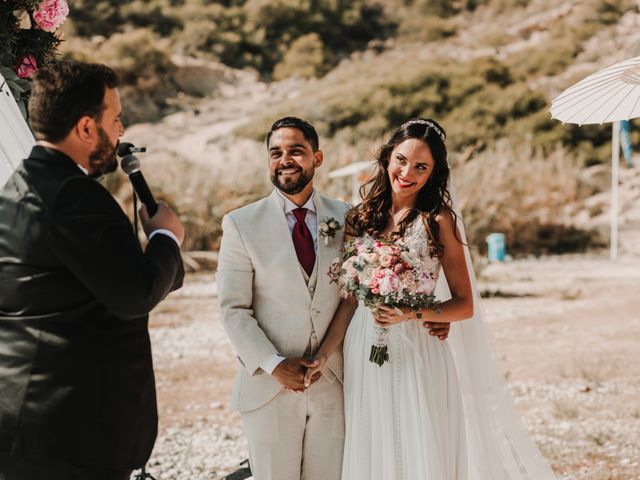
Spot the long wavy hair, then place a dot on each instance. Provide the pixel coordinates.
(372, 215)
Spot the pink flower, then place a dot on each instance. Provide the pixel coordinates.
(426, 284)
(27, 66)
(408, 281)
(375, 291)
(51, 14)
(390, 283)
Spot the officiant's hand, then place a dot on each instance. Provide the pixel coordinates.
(290, 373)
(164, 218)
(438, 329)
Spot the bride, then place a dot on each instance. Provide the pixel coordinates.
(439, 409)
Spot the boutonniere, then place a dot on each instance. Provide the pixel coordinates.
(328, 229)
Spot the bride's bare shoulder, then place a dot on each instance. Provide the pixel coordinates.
(445, 217)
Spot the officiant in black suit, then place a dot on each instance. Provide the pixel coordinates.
(77, 392)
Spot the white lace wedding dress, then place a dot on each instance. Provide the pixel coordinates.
(437, 410)
(404, 420)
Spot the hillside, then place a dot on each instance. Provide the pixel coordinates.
(486, 70)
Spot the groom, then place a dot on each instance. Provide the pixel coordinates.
(277, 303)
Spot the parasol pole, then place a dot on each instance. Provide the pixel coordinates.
(615, 171)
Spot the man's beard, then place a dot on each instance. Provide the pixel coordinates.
(290, 186)
(103, 159)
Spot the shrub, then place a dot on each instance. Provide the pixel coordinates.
(305, 58)
(428, 28)
(150, 15)
(96, 17)
(143, 62)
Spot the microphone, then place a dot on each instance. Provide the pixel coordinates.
(131, 166)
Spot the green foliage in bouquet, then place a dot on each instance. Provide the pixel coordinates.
(28, 41)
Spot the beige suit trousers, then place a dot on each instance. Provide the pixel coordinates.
(298, 436)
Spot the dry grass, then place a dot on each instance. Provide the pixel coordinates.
(518, 190)
(203, 195)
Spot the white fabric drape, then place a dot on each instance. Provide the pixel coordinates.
(16, 139)
(498, 445)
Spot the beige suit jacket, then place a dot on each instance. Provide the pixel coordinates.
(267, 306)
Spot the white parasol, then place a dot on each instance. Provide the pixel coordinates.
(609, 95)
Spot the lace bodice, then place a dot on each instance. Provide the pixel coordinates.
(417, 240)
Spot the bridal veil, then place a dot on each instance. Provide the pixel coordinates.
(499, 447)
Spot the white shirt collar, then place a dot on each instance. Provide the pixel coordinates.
(86, 172)
(289, 206)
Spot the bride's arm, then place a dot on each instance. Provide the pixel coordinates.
(333, 338)
(454, 265)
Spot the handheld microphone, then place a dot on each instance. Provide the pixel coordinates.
(131, 166)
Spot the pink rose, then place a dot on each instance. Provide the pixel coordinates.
(27, 66)
(427, 284)
(390, 283)
(375, 291)
(51, 14)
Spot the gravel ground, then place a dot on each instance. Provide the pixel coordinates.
(566, 330)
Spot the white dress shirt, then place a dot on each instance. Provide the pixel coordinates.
(311, 219)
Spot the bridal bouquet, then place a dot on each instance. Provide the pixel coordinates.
(383, 273)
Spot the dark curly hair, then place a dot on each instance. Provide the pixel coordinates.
(372, 215)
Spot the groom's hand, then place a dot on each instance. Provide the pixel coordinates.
(437, 329)
(290, 373)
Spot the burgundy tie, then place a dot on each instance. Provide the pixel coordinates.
(303, 241)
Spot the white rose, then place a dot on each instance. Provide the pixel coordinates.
(367, 274)
(370, 258)
(351, 270)
(385, 259)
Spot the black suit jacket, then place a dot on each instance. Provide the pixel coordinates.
(76, 375)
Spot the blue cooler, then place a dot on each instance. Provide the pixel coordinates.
(497, 247)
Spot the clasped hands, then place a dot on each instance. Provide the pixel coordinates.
(297, 373)
(386, 316)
